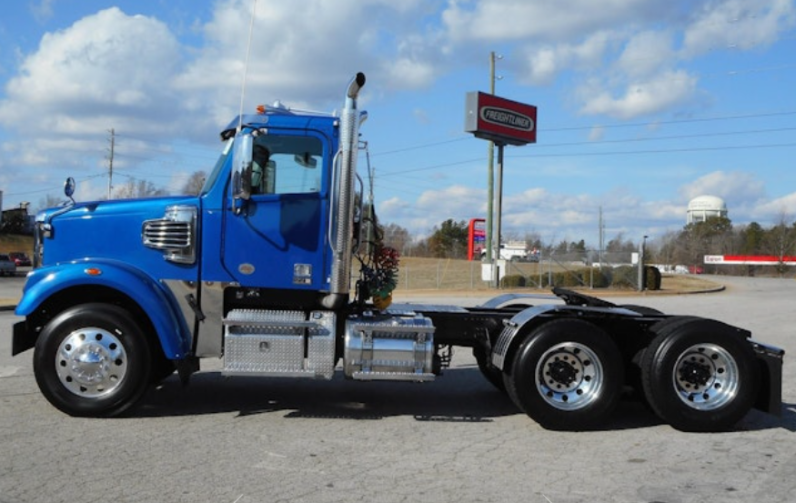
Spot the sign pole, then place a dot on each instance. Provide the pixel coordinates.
(498, 206)
(490, 182)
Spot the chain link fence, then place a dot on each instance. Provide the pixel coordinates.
(588, 270)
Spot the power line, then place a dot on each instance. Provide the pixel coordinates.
(589, 154)
(672, 137)
(425, 145)
(605, 126)
(676, 121)
(662, 151)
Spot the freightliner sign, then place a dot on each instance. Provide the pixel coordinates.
(500, 120)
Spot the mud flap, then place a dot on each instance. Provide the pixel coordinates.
(22, 339)
(770, 360)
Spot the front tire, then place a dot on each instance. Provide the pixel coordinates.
(567, 375)
(92, 360)
(699, 375)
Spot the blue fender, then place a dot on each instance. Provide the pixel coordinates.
(156, 301)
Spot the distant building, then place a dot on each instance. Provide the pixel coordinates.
(703, 207)
(17, 220)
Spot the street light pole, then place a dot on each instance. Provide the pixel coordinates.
(641, 252)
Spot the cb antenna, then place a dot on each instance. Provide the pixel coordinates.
(246, 66)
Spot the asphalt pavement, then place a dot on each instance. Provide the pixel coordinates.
(246, 440)
(11, 289)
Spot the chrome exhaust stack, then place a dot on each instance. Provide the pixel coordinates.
(343, 212)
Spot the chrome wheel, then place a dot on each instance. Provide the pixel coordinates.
(705, 377)
(91, 362)
(699, 374)
(569, 376)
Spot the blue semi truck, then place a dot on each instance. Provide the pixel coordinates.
(257, 270)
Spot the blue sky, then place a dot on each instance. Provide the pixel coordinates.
(643, 104)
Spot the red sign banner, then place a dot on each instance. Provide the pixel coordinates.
(503, 121)
(750, 259)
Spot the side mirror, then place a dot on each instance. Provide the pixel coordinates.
(242, 167)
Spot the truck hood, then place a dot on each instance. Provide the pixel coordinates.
(103, 229)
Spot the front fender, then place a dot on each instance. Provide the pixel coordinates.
(156, 301)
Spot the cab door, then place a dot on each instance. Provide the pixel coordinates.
(277, 237)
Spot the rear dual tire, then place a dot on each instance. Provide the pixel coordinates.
(699, 375)
(566, 375)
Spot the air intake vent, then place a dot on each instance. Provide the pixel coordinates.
(175, 233)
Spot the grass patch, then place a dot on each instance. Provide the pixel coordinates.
(16, 243)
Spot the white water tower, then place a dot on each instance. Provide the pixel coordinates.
(703, 207)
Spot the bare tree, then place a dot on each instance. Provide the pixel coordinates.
(781, 240)
(138, 188)
(51, 201)
(396, 237)
(195, 183)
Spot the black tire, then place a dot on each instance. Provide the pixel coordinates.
(489, 371)
(567, 375)
(699, 375)
(92, 360)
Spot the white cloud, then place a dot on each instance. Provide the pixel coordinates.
(505, 20)
(667, 90)
(106, 69)
(734, 187)
(42, 10)
(741, 24)
(625, 52)
(646, 53)
(542, 65)
(433, 207)
(302, 60)
(774, 210)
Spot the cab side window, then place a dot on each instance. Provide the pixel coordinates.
(286, 165)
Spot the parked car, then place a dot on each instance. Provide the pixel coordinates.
(7, 266)
(20, 259)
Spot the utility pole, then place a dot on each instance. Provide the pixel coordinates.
(110, 163)
(491, 242)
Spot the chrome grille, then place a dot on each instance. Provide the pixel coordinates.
(175, 233)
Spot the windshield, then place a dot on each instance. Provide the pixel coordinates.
(211, 180)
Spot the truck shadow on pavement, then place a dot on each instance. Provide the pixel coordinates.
(461, 395)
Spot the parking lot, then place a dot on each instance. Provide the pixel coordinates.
(246, 440)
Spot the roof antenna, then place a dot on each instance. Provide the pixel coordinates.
(246, 66)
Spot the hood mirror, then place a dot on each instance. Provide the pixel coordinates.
(69, 188)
